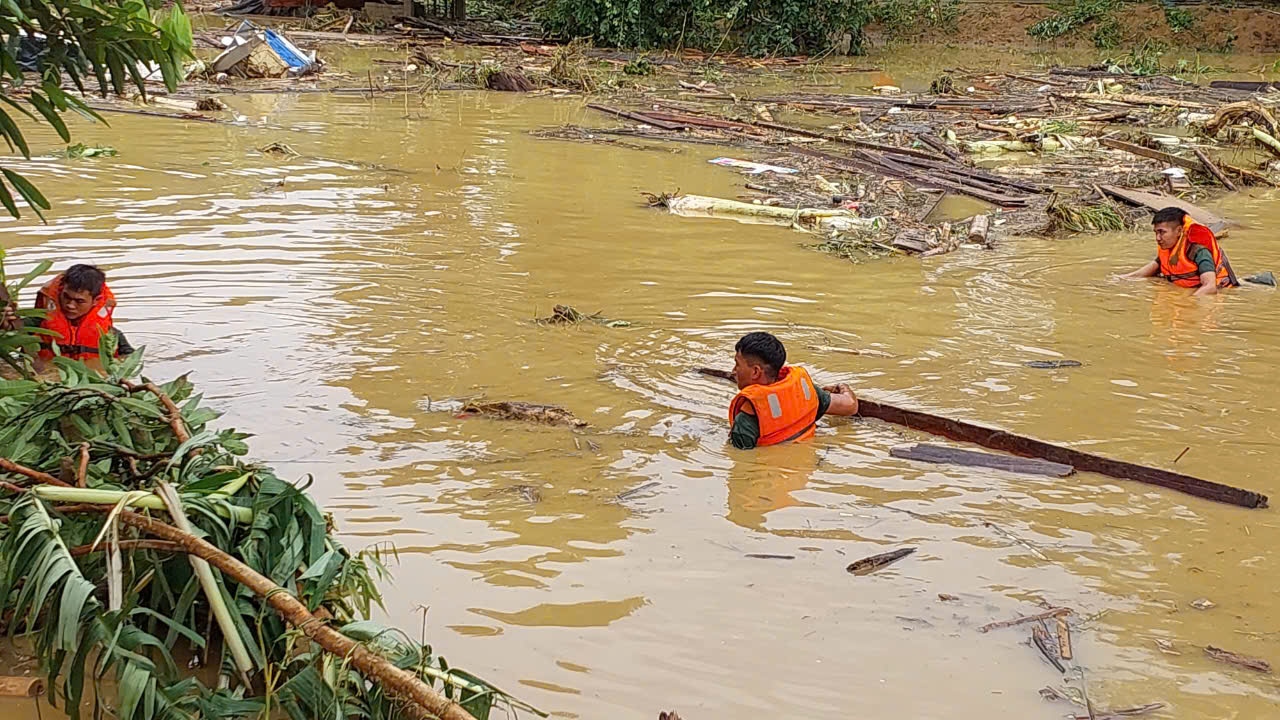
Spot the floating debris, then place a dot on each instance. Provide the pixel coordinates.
(1203, 604)
(523, 411)
(1052, 364)
(868, 565)
(1243, 661)
(569, 315)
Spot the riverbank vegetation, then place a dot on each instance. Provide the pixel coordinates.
(139, 544)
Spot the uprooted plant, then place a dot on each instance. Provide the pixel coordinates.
(134, 533)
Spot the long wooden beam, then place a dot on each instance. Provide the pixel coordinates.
(1029, 447)
(1088, 462)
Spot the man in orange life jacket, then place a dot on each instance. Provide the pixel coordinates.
(78, 306)
(777, 403)
(1187, 254)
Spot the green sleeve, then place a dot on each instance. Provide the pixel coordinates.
(1203, 260)
(746, 431)
(824, 403)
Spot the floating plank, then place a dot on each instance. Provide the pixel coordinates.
(972, 458)
(1082, 461)
(1157, 201)
(1247, 86)
(1028, 447)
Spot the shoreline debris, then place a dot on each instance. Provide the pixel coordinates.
(868, 565)
(1040, 638)
(569, 315)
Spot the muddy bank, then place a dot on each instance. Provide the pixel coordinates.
(982, 24)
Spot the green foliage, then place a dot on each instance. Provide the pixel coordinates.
(1142, 60)
(89, 42)
(57, 576)
(900, 19)
(1178, 18)
(1073, 16)
(1107, 33)
(639, 66)
(757, 27)
(80, 150)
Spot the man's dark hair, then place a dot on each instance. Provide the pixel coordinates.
(1169, 215)
(765, 348)
(84, 278)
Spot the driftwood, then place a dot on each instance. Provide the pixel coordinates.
(1052, 364)
(1213, 170)
(955, 456)
(1082, 461)
(1029, 447)
(1135, 100)
(1040, 638)
(1055, 612)
(868, 565)
(528, 412)
(979, 229)
(637, 117)
(1243, 661)
(1064, 638)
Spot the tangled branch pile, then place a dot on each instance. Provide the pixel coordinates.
(118, 497)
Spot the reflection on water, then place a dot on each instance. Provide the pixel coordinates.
(331, 302)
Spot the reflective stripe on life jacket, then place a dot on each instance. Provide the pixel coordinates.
(786, 410)
(78, 341)
(1177, 267)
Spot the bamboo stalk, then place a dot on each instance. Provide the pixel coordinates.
(424, 700)
(217, 604)
(140, 499)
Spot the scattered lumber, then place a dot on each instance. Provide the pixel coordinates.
(955, 456)
(1182, 162)
(1135, 100)
(1157, 201)
(637, 117)
(1040, 638)
(1051, 613)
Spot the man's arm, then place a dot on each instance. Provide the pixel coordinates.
(746, 429)
(1148, 270)
(843, 401)
(1208, 284)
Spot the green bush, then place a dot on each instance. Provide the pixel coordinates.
(757, 27)
(1075, 15)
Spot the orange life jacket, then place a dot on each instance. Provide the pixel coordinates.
(786, 410)
(78, 341)
(1177, 267)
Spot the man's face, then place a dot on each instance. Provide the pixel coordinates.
(75, 303)
(1167, 234)
(746, 373)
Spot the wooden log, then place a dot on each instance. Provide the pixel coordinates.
(698, 121)
(1082, 461)
(996, 128)
(1028, 447)
(1156, 201)
(1136, 100)
(636, 117)
(1244, 661)
(990, 178)
(942, 147)
(955, 456)
(1247, 86)
(891, 149)
(1213, 170)
(1064, 638)
(21, 687)
(979, 228)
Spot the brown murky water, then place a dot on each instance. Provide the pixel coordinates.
(400, 263)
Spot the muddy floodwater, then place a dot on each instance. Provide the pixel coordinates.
(332, 302)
